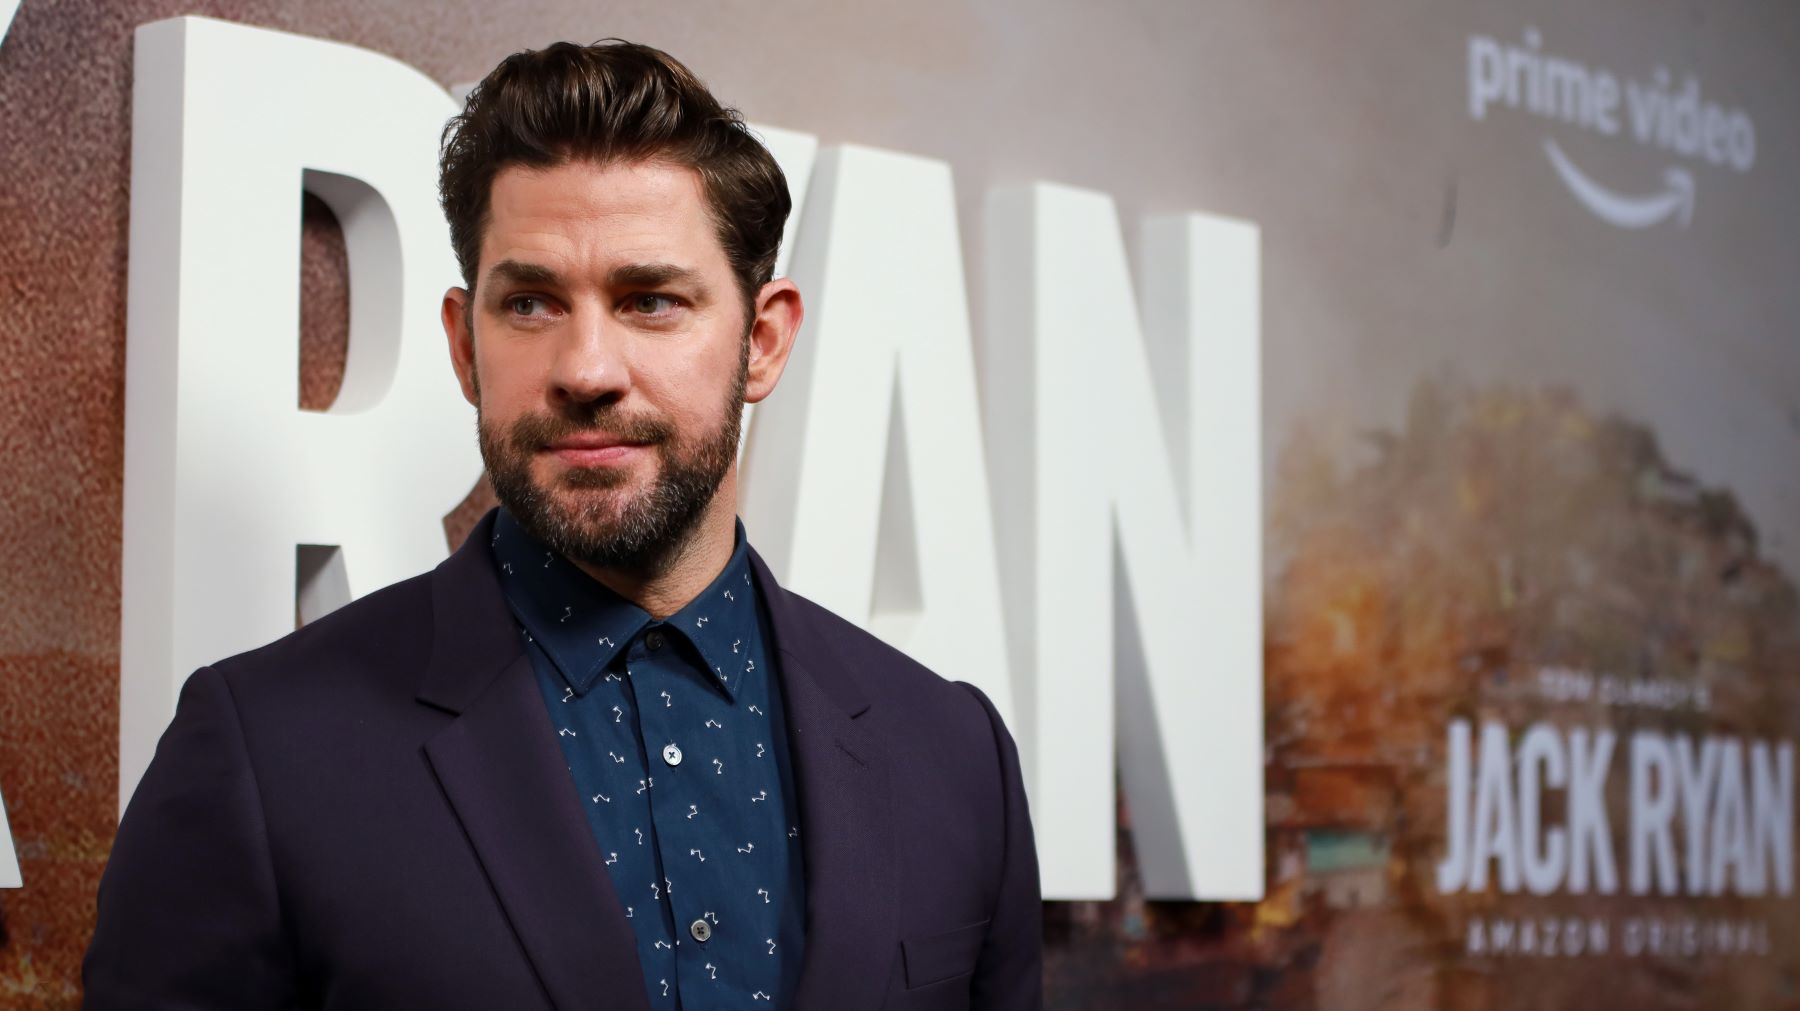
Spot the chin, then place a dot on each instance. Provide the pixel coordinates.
(605, 503)
(565, 478)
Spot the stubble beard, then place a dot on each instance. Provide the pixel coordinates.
(588, 514)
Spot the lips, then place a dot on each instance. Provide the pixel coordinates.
(594, 450)
(590, 442)
(597, 441)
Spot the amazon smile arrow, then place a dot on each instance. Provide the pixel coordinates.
(1627, 211)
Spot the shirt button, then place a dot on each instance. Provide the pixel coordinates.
(701, 930)
(671, 754)
(654, 640)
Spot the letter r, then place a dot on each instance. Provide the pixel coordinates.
(9, 856)
(225, 478)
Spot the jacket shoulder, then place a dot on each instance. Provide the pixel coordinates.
(385, 634)
(895, 682)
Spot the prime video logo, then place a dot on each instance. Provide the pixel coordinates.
(1656, 113)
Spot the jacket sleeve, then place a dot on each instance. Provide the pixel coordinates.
(188, 912)
(1010, 973)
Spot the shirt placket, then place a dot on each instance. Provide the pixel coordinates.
(669, 752)
(640, 887)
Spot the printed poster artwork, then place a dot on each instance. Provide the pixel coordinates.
(1506, 575)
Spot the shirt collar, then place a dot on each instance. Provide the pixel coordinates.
(582, 625)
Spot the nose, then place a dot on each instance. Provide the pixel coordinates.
(591, 366)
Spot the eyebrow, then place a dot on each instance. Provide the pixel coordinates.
(522, 273)
(631, 275)
(657, 275)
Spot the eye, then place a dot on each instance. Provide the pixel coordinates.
(652, 305)
(526, 305)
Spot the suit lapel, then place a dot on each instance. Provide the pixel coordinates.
(846, 817)
(508, 784)
(506, 779)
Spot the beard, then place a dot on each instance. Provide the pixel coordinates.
(589, 514)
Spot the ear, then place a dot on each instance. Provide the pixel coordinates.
(778, 313)
(456, 312)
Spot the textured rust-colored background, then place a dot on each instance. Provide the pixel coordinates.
(1398, 239)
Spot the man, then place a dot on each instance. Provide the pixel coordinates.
(598, 758)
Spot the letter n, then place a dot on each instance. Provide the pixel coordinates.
(1125, 462)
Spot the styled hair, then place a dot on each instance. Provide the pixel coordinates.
(613, 101)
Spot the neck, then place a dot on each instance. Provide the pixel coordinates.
(677, 575)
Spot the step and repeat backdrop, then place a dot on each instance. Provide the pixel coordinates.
(1358, 448)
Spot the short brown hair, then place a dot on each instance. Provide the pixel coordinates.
(611, 101)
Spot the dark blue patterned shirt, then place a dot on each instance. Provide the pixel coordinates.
(674, 737)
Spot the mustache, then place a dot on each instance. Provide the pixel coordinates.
(533, 432)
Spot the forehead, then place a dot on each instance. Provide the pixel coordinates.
(586, 215)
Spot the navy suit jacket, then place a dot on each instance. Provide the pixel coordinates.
(373, 813)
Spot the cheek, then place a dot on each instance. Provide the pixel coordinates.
(508, 380)
(690, 388)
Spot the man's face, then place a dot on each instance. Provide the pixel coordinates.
(607, 350)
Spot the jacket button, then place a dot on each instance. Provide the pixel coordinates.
(672, 754)
(701, 930)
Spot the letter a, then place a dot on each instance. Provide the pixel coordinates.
(1496, 834)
